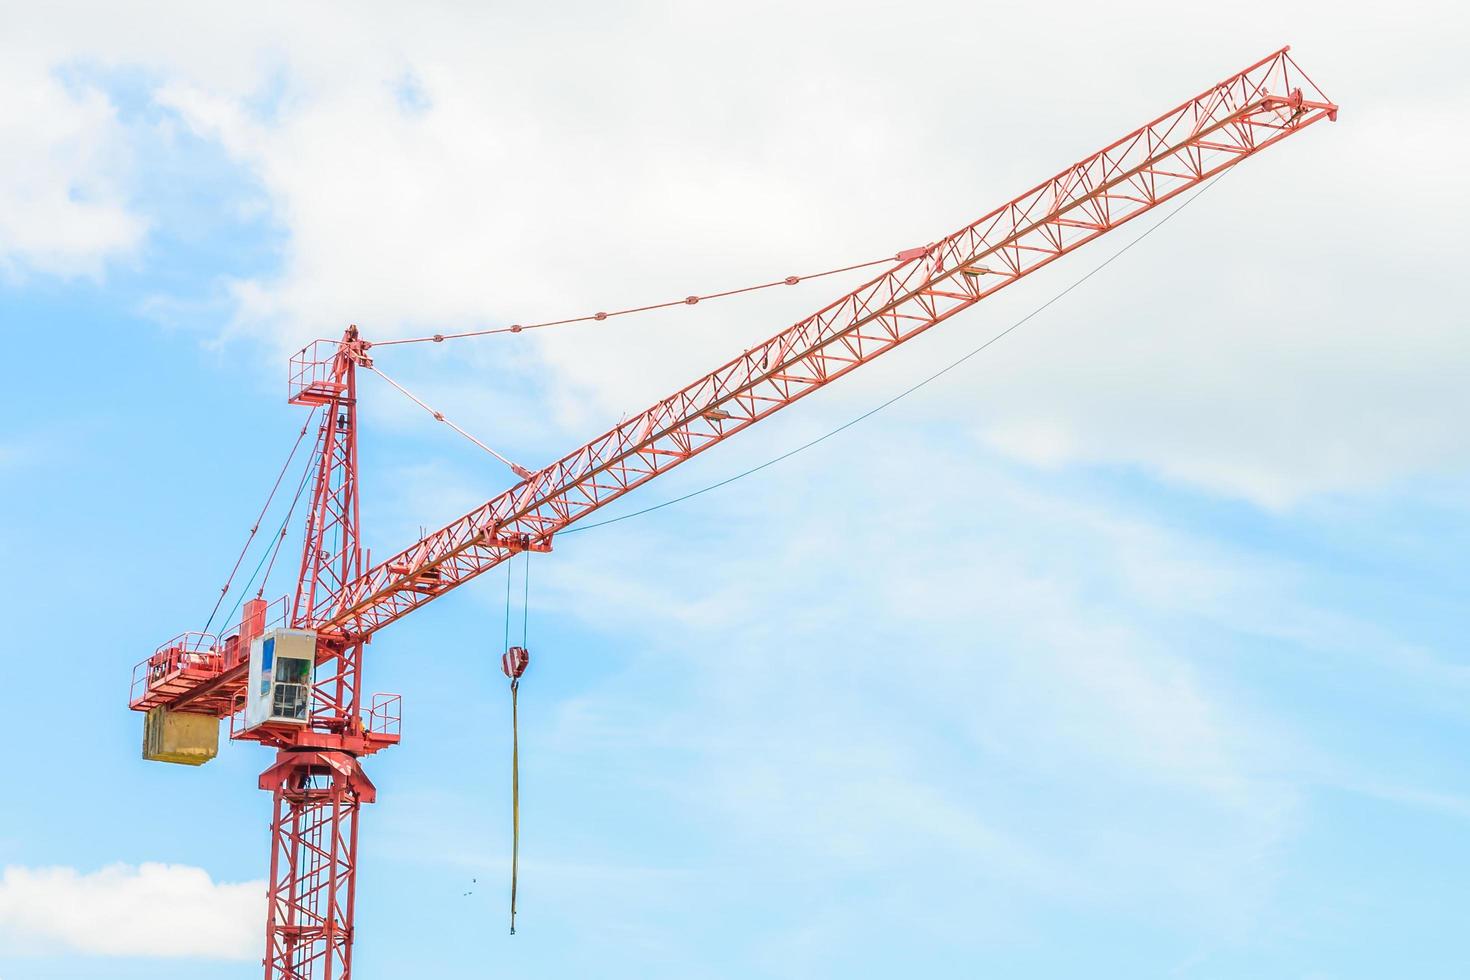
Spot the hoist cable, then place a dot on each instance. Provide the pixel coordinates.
(231, 617)
(507, 605)
(526, 604)
(911, 389)
(607, 315)
(281, 539)
(224, 590)
(512, 666)
(518, 470)
(515, 798)
(281, 536)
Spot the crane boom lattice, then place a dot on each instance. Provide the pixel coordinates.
(289, 674)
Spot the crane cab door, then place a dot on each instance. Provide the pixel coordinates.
(282, 668)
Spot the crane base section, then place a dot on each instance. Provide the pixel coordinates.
(180, 737)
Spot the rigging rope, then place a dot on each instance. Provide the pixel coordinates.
(686, 301)
(280, 537)
(231, 617)
(911, 389)
(300, 488)
(507, 605)
(514, 664)
(224, 590)
(515, 797)
(517, 469)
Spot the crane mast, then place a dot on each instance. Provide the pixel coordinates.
(296, 664)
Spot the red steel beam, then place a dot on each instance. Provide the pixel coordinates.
(1215, 130)
(1240, 116)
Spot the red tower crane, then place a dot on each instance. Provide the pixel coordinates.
(289, 675)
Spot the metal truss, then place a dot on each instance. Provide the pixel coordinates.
(1235, 119)
(317, 783)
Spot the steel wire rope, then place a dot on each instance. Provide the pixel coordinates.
(515, 727)
(281, 537)
(685, 301)
(912, 388)
(515, 796)
(225, 589)
(507, 605)
(515, 468)
(258, 566)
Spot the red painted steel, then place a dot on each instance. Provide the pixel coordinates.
(316, 798)
(513, 662)
(317, 783)
(1182, 148)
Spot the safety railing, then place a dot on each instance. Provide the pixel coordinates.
(310, 381)
(193, 657)
(382, 720)
(384, 716)
(237, 715)
(191, 650)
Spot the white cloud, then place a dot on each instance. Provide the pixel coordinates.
(63, 176)
(162, 910)
(947, 708)
(1293, 335)
(886, 661)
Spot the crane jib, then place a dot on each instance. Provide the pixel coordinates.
(1177, 151)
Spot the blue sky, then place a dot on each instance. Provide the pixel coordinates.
(1132, 648)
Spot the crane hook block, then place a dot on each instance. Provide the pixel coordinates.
(515, 661)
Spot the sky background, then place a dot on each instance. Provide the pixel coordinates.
(1134, 647)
